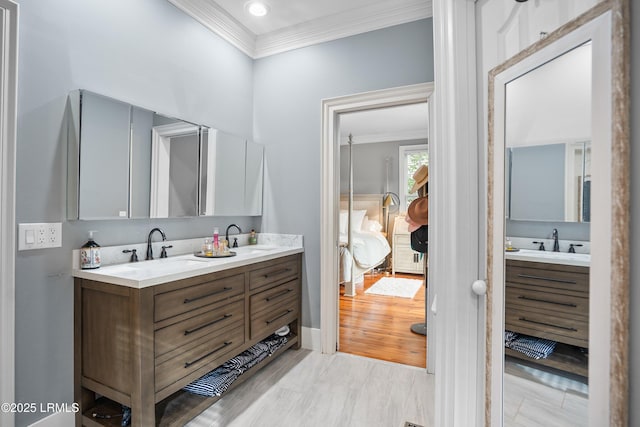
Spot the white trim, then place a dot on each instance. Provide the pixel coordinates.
(330, 191)
(453, 190)
(8, 112)
(378, 15)
(311, 339)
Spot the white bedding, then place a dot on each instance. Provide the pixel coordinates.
(369, 250)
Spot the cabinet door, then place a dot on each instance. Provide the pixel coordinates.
(104, 158)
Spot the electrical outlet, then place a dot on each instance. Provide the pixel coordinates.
(39, 235)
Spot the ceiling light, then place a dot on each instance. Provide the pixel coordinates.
(257, 8)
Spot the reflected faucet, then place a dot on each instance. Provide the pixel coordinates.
(226, 235)
(556, 245)
(149, 250)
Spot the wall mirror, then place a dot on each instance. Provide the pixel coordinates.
(125, 161)
(576, 304)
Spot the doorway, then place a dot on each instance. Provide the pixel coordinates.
(380, 150)
(330, 191)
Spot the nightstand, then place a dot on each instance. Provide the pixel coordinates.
(405, 259)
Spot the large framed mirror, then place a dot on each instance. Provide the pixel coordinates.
(557, 321)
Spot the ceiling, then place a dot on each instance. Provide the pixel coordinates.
(292, 24)
(401, 123)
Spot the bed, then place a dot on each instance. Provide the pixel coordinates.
(364, 246)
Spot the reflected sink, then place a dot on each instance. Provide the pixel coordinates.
(552, 257)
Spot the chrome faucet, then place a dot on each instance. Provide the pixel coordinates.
(226, 235)
(149, 250)
(556, 245)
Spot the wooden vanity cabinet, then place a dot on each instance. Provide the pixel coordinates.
(140, 347)
(550, 301)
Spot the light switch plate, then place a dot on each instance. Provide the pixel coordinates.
(39, 235)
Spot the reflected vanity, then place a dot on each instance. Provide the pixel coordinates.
(557, 147)
(125, 161)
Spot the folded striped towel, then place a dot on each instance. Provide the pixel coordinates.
(536, 348)
(220, 379)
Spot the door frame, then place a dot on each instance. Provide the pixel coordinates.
(8, 123)
(330, 194)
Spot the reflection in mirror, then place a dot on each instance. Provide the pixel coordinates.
(546, 309)
(547, 124)
(568, 311)
(174, 168)
(234, 185)
(549, 182)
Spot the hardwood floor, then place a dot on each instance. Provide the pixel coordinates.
(378, 326)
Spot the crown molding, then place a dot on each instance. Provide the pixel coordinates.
(216, 19)
(378, 15)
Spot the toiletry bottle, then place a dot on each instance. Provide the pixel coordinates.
(90, 253)
(253, 239)
(216, 240)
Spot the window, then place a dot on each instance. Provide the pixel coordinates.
(411, 158)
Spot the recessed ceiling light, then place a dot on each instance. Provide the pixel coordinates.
(257, 8)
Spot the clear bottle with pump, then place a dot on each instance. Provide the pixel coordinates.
(90, 253)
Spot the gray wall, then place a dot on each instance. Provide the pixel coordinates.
(147, 53)
(369, 166)
(634, 303)
(298, 81)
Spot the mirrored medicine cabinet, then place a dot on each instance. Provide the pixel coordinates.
(129, 162)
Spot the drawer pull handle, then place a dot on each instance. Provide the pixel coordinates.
(226, 343)
(225, 289)
(278, 295)
(548, 279)
(564, 304)
(190, 331)
(524, 319)
(279, 316)
(277, 272)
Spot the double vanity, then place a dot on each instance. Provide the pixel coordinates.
(145, 330)
(547, 296)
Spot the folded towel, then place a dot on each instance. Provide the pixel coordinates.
(509, 336)
(536, 348)
(220, 379)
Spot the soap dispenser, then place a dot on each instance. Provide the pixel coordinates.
(90, 253)
(253, 239)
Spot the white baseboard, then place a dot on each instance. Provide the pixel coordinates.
(59, 419)
(311, 339)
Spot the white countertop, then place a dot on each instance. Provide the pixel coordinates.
(565, 258)
(149, 273)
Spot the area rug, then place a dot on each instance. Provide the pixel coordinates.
(395, 287)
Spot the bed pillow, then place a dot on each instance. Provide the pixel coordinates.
(371, 225)
(344, 215)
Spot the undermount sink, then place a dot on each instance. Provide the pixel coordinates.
(254, 249)
(549, 256)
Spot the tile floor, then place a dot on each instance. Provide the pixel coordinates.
(307, 388)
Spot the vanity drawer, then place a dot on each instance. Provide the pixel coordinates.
(574, 331)
(277, 315)
(270, 298)
(551, 276)
(217, 348)
(276, 273)
(182, 300)
(528, 297)
(193, 328)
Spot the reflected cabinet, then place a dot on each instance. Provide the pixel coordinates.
(129, 162)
